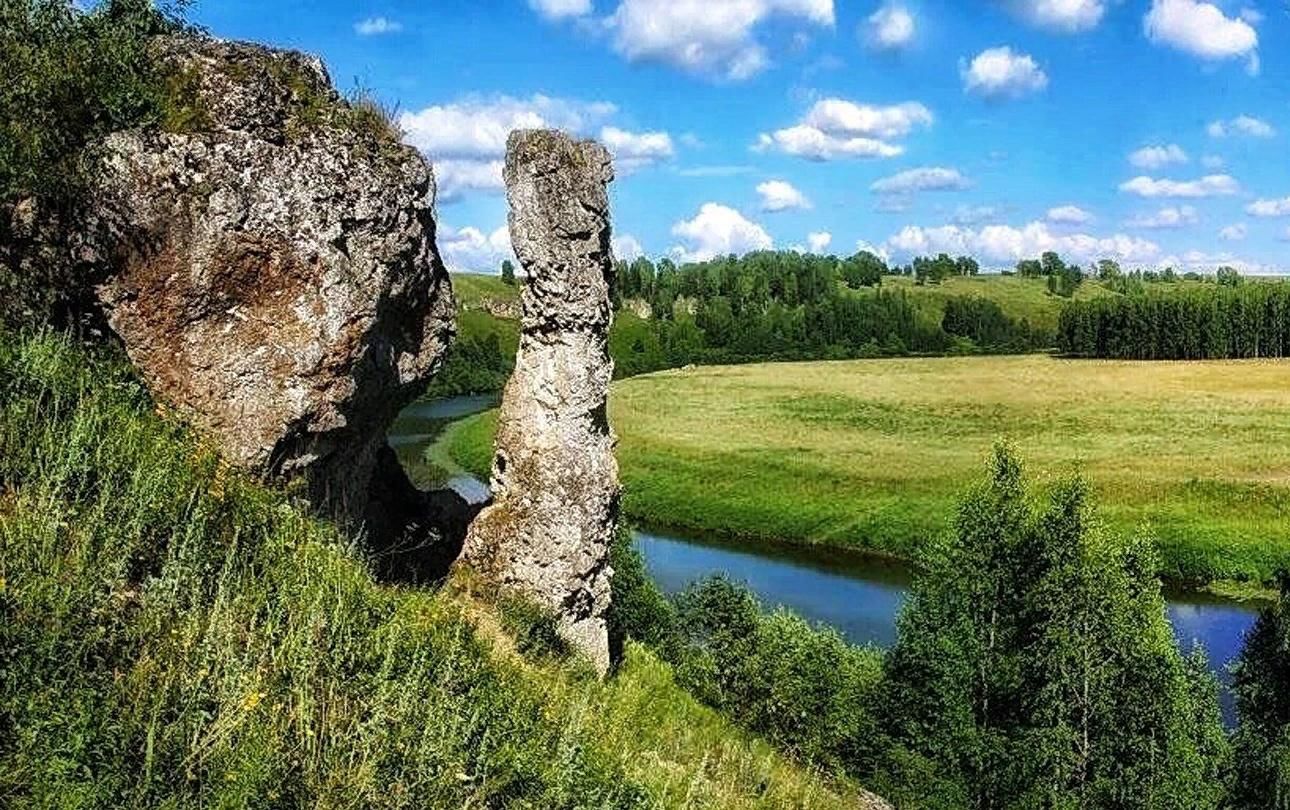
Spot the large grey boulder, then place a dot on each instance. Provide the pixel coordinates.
(268, 260)
(555, 481)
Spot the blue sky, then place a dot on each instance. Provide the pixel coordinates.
(1151, 131)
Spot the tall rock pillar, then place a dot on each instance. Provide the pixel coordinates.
(555, 481)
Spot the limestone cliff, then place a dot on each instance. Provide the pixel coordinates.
(554, 478)
(268, 260)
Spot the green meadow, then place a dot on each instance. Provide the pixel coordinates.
(871, 455)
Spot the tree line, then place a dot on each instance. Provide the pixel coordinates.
(1211, 321)
(1035, 666)
(784, 305)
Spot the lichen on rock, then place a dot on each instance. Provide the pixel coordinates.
(555, 480)
(268, 259)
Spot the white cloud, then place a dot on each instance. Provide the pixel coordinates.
(1063, 15)
(835, 128)
(890, 28)
(701, 36)
(1213, 162)
(1156, 157)
(558, 9)
(634, 150)
(470, 250)
(627, 247)
(975, 215)
(842, 117)
(1007, 244)
(374, 26)
(1234, 233)
(1000, 73)
(1211, 185)
(1241, 125)
(1269, 208)
(717, 230)
(779, 195)
(1202, 29)
(456, 178)
(927, 178)
(1285, 237)
(1069, 215)
(466, 140)
(813, 144)
(819, 241)
(1172, 217)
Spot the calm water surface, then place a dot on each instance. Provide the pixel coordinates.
(861, 598)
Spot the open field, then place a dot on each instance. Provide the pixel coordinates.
(1020, 298)
(872, 454)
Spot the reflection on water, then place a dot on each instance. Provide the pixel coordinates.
(859, 597)
(413, 435)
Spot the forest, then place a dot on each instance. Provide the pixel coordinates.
(1224, 320)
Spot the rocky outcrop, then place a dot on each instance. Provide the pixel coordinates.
(268, 260)
(554, 478)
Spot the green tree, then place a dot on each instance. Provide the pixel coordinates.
(508, 272)
(863, 270)
(1036, 668)
(1262, 740)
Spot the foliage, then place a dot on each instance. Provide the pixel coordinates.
(1211, 321)
(1262, 741)
(1036, 667)
(176, 635)
(70, 76)
(508, 272)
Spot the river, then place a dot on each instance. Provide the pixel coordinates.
(861, 598)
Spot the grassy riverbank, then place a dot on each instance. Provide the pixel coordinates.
(872, 455)
(176, 635)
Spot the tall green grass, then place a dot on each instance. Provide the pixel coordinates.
(173, 634)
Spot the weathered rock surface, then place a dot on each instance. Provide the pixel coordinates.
(554, 478)
(270, 266)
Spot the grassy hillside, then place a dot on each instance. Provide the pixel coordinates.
(872, 454)
(472, 289)
(1020, 298)
(175, 635)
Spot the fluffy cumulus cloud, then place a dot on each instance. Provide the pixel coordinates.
(1005, 244)
(780, 195)
(559, 9)
(1234, 233)
(927, 178)
(1269, 208)
(1062, 15)
(1211, 185)
(889, 28)
(1246, 125)
(634, 150)
(1157, 157)
(717, 230)
(466, 140)
(819, 241)
(701, 36)
(1202, 29)
(471, 250)
(375, 26)
(836, 128)
(1166, 218)
(1069, 215)
(1001, 73)
(627, 247)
